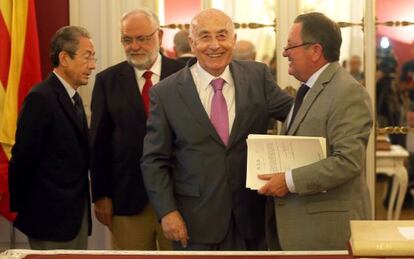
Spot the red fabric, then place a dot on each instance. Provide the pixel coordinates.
(145, 91)
(4, 188)
(30, 75)
(31, 72)
(4, 51)
(188, 256)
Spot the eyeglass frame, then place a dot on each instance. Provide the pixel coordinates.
(142, 39)
(88, 57)
(297, 46)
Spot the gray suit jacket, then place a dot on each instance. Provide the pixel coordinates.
(187, 167)
(333, 191)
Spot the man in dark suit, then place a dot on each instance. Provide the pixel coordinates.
(120, 104)
(194, 162)
(312, 205)
(48, 171)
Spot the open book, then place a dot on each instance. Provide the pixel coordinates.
(268, 154)
(382, 238)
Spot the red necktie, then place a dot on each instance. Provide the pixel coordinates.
(145, 90)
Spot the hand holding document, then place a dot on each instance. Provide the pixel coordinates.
(267, 154)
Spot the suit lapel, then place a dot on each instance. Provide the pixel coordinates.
(129, 85)
(188, 91)
(241, 93)
(313, 93)
(66, 103)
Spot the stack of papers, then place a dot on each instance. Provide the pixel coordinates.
(267, 154)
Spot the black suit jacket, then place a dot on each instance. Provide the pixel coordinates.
(118, 127)
(48, 170)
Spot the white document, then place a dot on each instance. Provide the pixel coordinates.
(407, 232)
(267, 154)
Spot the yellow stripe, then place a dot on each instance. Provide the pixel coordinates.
(6, 11)
(7, 150)
(18, 36)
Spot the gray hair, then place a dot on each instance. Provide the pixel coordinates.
(66, 39)
(181, 41)
(146, 12)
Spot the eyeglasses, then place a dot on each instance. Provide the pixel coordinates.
(297, 46)
(139, 39)
(88, 57)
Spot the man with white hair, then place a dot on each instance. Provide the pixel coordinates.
(120, 104)
(194, 161)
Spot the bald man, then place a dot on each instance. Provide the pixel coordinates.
(194, 162)
(244, 50)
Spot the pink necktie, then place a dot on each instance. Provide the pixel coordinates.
(219, 115)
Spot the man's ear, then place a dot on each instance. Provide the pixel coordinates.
(192, 44)
(317, 52)
(160, 35)
(63, 58)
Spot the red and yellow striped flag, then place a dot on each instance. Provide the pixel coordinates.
(19, 71)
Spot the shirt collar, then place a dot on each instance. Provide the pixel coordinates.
(311, 81)
(71, 92)
(205, 77)
(155, 69)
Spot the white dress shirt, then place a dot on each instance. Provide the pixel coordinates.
(311, 81)
(69, 89)
(205, 91)
(156, 73)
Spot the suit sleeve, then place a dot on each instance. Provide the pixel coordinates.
(100, 132)
(156, 160)
(33, 127)
(348, 126)
(279, 102)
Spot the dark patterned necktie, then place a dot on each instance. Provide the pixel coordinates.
(303, 89)
(80, 112)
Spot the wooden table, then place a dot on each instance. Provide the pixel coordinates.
(108, 254)
(391, 163)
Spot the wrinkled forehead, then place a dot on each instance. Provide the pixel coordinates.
(211, 23)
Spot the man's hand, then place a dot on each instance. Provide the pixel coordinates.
(276, 185)
(174, 227)
(103, 211)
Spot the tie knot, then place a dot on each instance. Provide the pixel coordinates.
(217, 84)
(147, 75)
(76, 98)
(303, 89)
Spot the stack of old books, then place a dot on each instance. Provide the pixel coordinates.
(377, 238)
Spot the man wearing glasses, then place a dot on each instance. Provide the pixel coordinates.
(312, 205)
(48, 170)
(120, 106)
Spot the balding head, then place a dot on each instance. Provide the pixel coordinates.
(181, 44)
(212, 40)
(244, 50)
(138, 13)
(210, 16)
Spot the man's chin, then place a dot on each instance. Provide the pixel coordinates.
(137, 63)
